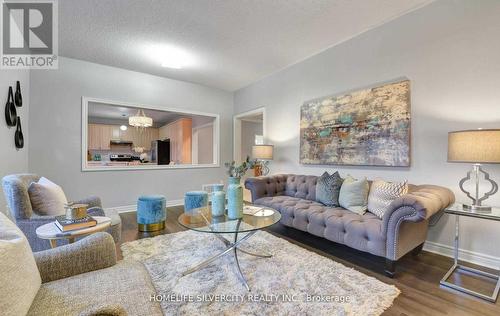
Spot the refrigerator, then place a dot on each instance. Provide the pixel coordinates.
(160, 151)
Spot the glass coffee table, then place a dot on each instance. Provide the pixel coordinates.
(201, 220)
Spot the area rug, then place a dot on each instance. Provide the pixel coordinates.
(294, 281)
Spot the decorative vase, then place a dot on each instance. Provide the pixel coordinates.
(218, 203)
(235, 198)
(18, 136)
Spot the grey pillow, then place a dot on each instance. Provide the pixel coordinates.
(328, 189)
(354, 195)
(47, 198)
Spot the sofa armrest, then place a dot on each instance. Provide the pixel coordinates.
(420, 204)
(91, 201)
(95, 211)
(94, 252)
(266, 186)
(410, 211)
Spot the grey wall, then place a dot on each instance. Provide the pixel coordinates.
(13, 160)
(248, 132)
(55, 145)
(450, 50)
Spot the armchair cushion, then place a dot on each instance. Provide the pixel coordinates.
(19, 276)
(94, 252)
(126, 284)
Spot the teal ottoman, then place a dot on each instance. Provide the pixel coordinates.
(195, 199)
(151, 213)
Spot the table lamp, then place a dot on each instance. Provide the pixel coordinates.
(481, 146)
(263, 153)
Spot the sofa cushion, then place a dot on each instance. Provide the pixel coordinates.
(354, 195)
(362, 232)
(19, 276)
(328, 189)
(383, 193)
(126, 284)
(47, 198)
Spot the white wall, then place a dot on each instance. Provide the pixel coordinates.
(13, 160)
(450, 52)
(55, 125)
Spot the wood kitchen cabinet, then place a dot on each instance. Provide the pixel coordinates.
(100, 135)
(180, 134)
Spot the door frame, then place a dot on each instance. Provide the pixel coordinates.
(237, 130)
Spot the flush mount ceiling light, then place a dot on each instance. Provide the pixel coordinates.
(123, 127)
(172, 57)
(140, 120)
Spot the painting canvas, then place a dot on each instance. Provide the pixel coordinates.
(369, 127)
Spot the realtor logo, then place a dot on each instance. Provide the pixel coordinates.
(29, 34)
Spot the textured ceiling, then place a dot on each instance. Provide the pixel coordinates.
(233, 42)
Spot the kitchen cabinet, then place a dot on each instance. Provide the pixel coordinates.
(180, 134)
(100, 135)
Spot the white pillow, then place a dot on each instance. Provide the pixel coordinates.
(19, 276)
(382, 193)
(47, 198)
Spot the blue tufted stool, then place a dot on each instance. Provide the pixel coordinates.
(151, 213)
(195, 199)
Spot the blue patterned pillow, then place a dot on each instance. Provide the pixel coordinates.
(328, 189)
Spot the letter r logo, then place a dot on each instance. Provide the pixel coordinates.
(27, 28)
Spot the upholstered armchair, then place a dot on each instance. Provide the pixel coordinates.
(83, 278)
(15, 188)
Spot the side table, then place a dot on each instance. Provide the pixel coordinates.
(458, 211)
(51, 232)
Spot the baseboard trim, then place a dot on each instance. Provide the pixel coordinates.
(464, 255)
(133, 207)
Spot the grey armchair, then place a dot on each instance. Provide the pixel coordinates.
(15, 188)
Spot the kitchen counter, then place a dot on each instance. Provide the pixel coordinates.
(119, 163)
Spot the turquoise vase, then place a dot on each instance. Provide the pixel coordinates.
(234, 199)
(218, 203)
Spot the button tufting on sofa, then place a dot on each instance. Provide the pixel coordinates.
(296, 193)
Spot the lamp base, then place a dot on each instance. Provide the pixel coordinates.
(477, 208)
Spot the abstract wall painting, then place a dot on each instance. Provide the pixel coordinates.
(368, 127)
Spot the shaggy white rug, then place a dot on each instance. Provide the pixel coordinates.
(294, 281)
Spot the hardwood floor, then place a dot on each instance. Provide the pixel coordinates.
(417, 276)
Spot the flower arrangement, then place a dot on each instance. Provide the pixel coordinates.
(238, 171)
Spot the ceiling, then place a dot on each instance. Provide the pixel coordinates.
(103, 113)
(232, 43)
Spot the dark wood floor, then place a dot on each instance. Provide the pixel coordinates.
(417, 276)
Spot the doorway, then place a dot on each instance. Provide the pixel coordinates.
(249, 129)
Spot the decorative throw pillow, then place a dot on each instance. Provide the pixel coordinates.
(47, 198)
(19, 276)
(382, 194)
(328, 189)
(354, 195)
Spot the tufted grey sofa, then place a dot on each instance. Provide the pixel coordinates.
(402, 229)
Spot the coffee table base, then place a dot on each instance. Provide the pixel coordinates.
(230, 247)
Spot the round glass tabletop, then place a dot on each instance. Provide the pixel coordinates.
(254, 218)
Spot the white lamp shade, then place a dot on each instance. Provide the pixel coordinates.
(474, 146)
(263, 152)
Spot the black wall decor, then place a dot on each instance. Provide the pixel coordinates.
(10, 109)
(11, 114)
(19, 137)
(18, 98)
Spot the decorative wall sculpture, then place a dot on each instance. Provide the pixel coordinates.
(369, 127)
